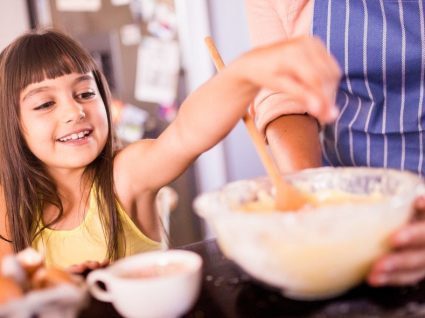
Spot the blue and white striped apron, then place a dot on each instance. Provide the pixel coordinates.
(380, 47)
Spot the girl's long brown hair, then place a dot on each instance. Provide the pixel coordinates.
(27, 187)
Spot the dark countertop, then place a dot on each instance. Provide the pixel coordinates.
(228, 292)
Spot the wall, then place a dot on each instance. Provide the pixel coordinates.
(193, 27)
(230, 33)
(13, 20)
(235, 158)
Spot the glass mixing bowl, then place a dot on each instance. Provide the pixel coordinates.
(321, 250)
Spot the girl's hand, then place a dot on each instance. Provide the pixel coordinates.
(406, 264)
(86, 267)
(301, 68)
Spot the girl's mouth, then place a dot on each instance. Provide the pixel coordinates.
(75, 136)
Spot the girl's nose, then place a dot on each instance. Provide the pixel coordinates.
(74, 112)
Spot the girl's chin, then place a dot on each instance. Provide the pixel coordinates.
(72, 164)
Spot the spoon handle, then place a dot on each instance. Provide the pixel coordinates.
(287, 197)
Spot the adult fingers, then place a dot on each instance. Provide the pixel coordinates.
(408, 260)
(412, 235)
(420, 206)
(402, 278)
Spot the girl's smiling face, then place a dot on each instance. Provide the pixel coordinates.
(64, 121)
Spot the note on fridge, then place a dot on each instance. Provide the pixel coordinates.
(157, 71)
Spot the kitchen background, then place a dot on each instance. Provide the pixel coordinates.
(153, 54)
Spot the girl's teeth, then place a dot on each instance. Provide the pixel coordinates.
(81, 134)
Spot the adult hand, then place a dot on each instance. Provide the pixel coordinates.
(405, 265)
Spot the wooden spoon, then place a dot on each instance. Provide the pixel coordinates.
(287, 197)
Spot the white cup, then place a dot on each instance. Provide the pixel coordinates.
(154, 284)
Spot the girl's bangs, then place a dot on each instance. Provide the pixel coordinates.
(49, 56)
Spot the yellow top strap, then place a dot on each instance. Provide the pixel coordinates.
(87, 242)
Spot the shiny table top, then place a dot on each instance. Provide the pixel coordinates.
(229, 292)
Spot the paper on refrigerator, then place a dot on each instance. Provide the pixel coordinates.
(157, 71)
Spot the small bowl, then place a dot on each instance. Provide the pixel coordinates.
(153, 284)
(319, 251)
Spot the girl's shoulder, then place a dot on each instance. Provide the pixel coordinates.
(133, 171)
(147, 165)
(130, 154)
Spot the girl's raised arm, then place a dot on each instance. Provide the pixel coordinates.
(301, 67)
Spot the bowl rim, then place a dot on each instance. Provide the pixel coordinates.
(417, 183)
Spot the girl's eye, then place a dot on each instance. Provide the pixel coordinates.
(86, 95)
(44, 106)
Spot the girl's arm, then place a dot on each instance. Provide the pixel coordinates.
(301, 67)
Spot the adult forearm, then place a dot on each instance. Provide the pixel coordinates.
(294, 142)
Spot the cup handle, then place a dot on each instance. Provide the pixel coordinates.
(95, 277)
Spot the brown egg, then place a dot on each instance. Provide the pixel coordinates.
(49, 277)
(9, 290)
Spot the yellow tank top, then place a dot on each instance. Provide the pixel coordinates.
(87, 242)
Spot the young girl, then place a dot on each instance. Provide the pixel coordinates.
(66, 192)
